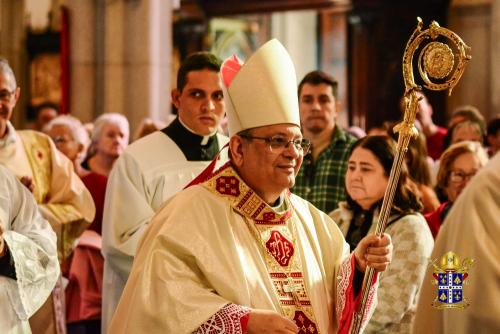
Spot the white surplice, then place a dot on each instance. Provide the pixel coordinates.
(33, 248)
(148, 173)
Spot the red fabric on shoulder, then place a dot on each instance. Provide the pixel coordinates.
(208, 172)
(434, 219)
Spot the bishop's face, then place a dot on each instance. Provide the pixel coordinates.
(268, 171)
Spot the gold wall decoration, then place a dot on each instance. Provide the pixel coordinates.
(45, 83)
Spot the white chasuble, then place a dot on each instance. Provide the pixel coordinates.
(217, 244)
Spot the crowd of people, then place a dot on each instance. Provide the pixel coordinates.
(252, 211)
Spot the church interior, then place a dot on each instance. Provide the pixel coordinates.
(342, 119)
(93, 57)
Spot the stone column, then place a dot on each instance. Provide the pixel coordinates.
(82, 49)
(334, 59)
(137, 59)
(13, 48)
(296, 30)
(472, 21)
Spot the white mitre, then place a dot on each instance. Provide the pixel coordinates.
(261, 92)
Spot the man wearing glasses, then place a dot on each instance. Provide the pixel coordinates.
(238, 253)
(62, 197)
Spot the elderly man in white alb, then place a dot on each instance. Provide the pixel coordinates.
(60, 194)
(239, 253)
(28, 256)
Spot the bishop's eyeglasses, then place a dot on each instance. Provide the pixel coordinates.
(278, 144)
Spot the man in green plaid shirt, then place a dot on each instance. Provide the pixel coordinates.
(321, 177)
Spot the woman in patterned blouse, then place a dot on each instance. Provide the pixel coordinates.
(366, 179)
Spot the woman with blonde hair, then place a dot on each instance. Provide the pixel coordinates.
(147, 127)
(459, 163)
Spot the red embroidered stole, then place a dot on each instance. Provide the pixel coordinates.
(276, 235)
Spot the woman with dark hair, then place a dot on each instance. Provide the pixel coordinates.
(368, 170)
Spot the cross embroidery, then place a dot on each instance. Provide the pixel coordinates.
(292, 289)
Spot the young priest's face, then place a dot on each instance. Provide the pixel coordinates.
(268, 171)
(200, 103)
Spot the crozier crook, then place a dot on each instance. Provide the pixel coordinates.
(441, 62)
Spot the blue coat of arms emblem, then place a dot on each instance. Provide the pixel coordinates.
(450, 278)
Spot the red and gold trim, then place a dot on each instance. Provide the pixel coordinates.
(280, 248)
(283, 285)
(347, 302)
(226, 182)
(231, 319)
